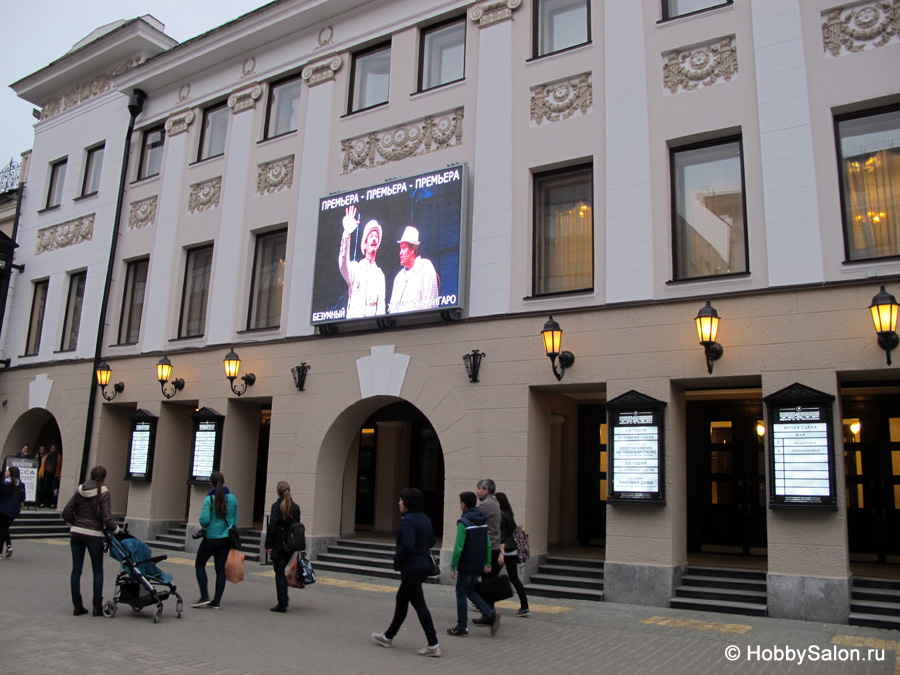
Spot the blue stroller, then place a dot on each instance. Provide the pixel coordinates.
(139, 583)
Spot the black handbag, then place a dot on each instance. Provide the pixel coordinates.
(495, 589)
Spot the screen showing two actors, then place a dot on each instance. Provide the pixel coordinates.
(390, 249)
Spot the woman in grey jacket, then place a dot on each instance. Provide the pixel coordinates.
(89, 513)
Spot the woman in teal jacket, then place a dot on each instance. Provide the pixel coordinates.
(219, 515)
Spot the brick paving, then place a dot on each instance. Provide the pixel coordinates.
(327, 628)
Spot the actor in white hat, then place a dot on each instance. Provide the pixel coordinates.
(416, 284)
(365, 280)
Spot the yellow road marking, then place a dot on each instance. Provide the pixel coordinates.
(543, 609)
(857, 641)
(694, 624)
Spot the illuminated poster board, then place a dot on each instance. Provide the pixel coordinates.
(636, 469)
(349, 284)
(206, 448)
(801, 449)
(141, 446)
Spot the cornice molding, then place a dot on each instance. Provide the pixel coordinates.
(86, 90)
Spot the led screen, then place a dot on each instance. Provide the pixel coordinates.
(390, 249)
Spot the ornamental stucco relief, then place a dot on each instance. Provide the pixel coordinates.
(178, 124)
(86, 90)
(205, 195)
(65, 234)
(321, 71)
(435, 132)
(487, 13)
(562, 99)
(275, 176)
(861, 26)
(245, 99)
(703, 66)
(142, 213)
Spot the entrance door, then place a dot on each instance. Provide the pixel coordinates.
(592, 475)
(726, 478)
(872, 464)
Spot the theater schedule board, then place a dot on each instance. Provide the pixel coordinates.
(801, 449)
(636, 457)
(206, 449)
(141, 447)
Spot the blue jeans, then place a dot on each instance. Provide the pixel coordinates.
(95, 549)
(465, 588)
(217, 549)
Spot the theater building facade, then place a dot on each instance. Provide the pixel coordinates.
(630, 169)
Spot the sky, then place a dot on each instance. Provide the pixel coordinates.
(37, 34)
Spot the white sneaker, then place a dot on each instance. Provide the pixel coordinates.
(428, 650)
(382, 640)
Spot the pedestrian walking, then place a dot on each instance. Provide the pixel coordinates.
(219, 515)
(509, 556)
(12, 496)
(284, 513)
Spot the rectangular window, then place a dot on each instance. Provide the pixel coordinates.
(196, 291)
(560, 24)
(283, 112)
(57, 180)
(74, 303)
(370, 77)
(213, 131)
(564, 231)
(92, 166)
(869, 158)
(268, 281)
(442, 56)
(152, 152)
(710, 236)
(676, 8)
(36, 320)
(133, 301)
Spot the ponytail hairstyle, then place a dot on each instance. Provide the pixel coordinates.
(284, 494)
(98, 475)
(217, 480)
(13, 475)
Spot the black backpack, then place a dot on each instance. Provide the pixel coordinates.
(295, 538)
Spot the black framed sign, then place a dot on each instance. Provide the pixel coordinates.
(801, 449)
(206, 449)
(141, 446)
(636, 457)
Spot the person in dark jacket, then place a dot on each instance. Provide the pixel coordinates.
(471, 556)
(285, 512)
(89, 512)
(12, 496)
(508, 553)
(412, 558)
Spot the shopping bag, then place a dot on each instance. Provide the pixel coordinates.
(306, 572)
(495, 589)
(293, 578)
(234, 566)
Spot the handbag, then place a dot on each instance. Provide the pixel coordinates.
(234, 567)
(306, 574)
(520, 536)
(495, 589)
(435, 570)
(235, 537)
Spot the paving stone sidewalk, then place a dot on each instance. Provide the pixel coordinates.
(327, 630)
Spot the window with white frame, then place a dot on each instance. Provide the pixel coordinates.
(283, 111)
(869, 161)
(560, 24)
(708, 218)
(214, 131)
(197, 272)
(57, 181)
(370, 77)
(93, 164)
(563, 231)
(36, 318)
(672, 9)
(133, 301)
(442, 56)
(152, 152)
(268, 280)
(74, 303)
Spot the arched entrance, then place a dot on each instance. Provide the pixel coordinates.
(37, 428)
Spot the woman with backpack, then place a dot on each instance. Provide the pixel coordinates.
(285, 512)
(219, 515)
(89, 512)
(510, 554)
(12, 496)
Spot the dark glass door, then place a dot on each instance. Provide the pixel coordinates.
(592, 483)
(726, 478)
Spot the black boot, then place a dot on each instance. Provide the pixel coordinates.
(98, 607)
(78, 605)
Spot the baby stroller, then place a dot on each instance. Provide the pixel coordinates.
(139, 583)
